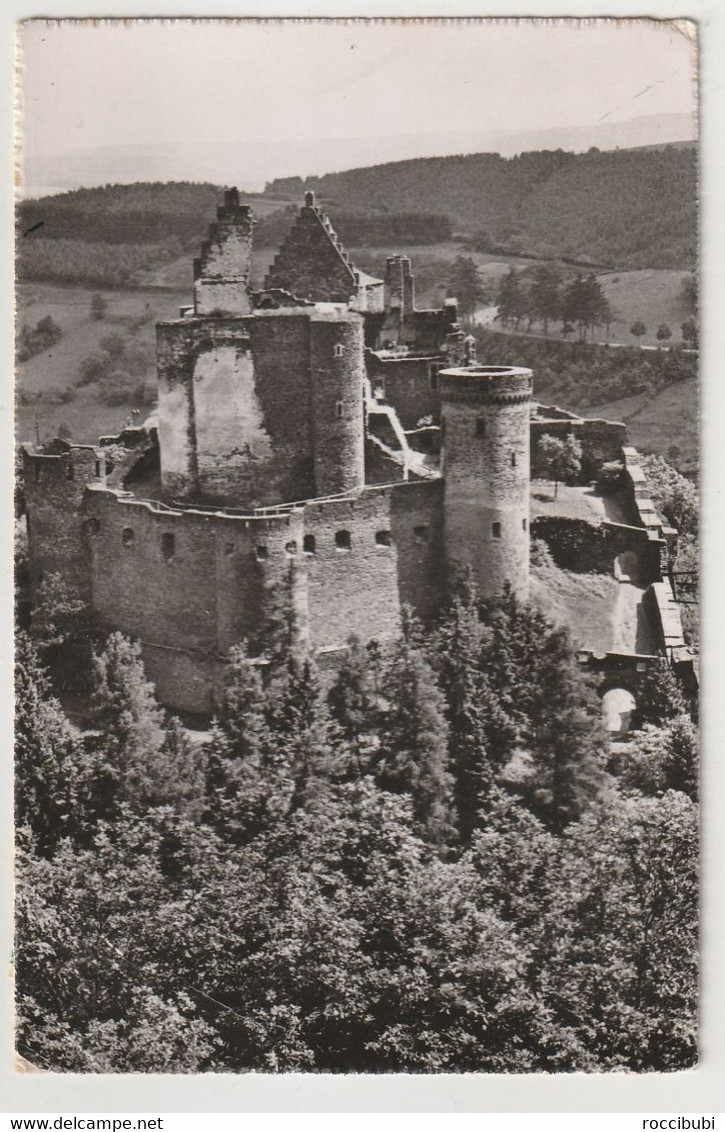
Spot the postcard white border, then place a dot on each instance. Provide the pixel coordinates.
(695, 1091)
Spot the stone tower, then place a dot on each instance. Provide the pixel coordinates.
(486, 420)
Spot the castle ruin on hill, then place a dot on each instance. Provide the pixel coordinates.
(320, 441)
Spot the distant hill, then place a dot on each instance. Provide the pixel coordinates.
(246, 161)
(625, 208)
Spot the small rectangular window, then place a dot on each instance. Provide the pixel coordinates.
(338, 409)
(481, 426)
(523, 524)
(343, 540)
(383, 538)
(496, 530)
(168, 547)
(513, 459)
(421, 534)
(308, 544)
(261, 551)
(433, 369)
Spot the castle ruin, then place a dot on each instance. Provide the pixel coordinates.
(320, 441)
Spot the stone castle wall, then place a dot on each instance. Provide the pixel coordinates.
(189, 582)
(261, 410)
(55, 486)
(601, 440)
(409, 384)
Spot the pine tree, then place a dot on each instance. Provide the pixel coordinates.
(413, 754)
(301, 741)
(129, 728)
(48, 754)
(480, 732)
(353, 701)
(659, 695)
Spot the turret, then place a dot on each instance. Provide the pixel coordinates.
(221, 273)
(485, 412)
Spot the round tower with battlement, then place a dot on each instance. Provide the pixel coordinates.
(485, 418)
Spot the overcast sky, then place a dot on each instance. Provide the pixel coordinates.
(202, 83)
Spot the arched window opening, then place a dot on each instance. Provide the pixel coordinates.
(309, 545)
(343, 540)
(383, 538)
(127, 536)
(262, 551)
(291, 548)
(481, 426)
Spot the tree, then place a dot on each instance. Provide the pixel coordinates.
(546, 302)
(689, 332)
(114, 345)
(60, 615)
(413, 756)
(465, 283)
(353, 701)
(662, 758)
(675, 495)
(659, 694)
(623, 965)
(48, 754)
(481, 733)
(560, 457)
(663, 333)
(638, 329)
(99, 306)
(689, 292)
(509, 299)
(136, 761)
(584, 304)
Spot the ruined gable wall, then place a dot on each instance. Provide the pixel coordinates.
(221, 273)
(311, 263)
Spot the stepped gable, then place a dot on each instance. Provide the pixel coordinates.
(312, 264)
(221, 272)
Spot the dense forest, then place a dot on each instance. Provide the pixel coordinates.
(625, 208)
(439, 863)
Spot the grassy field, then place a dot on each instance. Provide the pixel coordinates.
(666, 423)
(651, 297)
(49, 373)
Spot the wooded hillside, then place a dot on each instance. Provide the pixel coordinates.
(625, 208)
